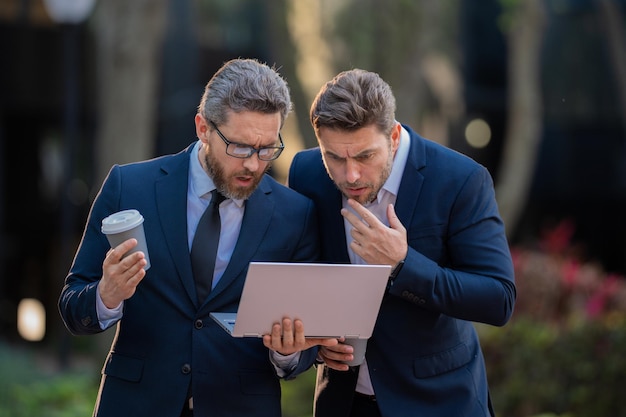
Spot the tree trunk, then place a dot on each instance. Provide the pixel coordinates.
(524, 126)
(610, 15)
(129, 38)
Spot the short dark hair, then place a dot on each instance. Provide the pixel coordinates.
(354, 99)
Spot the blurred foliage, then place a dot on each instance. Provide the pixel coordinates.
(27, 389)
(297, 395)
(574, 370)
(562, 352)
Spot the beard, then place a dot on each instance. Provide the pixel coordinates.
(221, 180)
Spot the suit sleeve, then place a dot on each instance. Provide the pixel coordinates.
(475, 282)
(77, 302)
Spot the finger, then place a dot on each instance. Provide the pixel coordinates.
(356, 247)
(322, 342)
(136, 272)
(267, 341)
(276, 337)
(134, 262)
(334, 360)
(394, 221)
(353, 219)
(337, 366)
(116, 254)
(367, 218)
(287, 332)
(336, 352)
(299, 338)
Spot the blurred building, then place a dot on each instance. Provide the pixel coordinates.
(581, 169)
(581, 172)
(42, 213)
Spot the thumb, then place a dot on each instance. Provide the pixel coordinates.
(326, 342)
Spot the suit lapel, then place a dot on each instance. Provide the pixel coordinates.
(171, 195)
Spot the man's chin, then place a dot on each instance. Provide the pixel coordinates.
(241, 192)
(361, 199)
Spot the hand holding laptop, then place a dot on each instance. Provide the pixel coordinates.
(289, 337)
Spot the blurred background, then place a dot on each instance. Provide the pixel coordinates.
(535, 90)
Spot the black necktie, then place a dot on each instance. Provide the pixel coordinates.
(204, 246)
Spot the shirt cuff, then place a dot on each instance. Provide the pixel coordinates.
(107, 316)
(284, 364)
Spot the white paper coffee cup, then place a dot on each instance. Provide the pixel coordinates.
(359, 346)
(124, 225)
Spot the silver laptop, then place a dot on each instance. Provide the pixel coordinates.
(332, 300)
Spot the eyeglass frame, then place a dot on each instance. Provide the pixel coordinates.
(253, 150)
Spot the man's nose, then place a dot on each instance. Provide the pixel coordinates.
(353, 171)
(252, 163)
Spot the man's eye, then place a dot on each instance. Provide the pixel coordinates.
(241, 149)
(364, 157)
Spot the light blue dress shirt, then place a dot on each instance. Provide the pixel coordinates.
(231, 214)
(387, 195)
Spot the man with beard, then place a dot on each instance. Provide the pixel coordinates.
(168, 357)
(385, 195)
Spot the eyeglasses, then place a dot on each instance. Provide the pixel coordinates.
(239, 150)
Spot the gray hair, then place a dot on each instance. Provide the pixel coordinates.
(244, 85)
(352, 100)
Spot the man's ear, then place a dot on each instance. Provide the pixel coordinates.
(202, 128)
(396, 132)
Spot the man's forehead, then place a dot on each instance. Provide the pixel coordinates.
(350, 143)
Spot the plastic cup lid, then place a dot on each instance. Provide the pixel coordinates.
(121, 221)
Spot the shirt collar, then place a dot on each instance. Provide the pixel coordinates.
(392, 185)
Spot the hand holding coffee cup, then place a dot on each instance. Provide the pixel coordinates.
(124, 225)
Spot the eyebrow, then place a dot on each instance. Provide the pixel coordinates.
(358, 155)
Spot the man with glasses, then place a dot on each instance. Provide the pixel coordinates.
(168, 357)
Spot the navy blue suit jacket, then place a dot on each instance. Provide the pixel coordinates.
(424, 356)
(165, 340)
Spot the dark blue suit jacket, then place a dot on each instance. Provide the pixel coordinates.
(424, 356)
(165, 340)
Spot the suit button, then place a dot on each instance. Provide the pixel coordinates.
(186, 369)
(198, 324)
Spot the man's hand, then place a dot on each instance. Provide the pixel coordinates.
(335, 356)
(376, 243)
(288, 338)
(120, 277)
